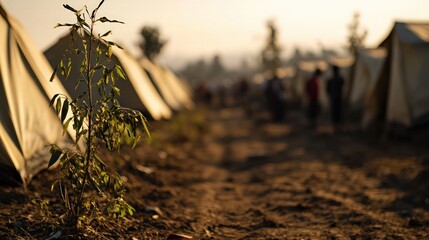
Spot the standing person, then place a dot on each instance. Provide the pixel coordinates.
(312, 90)
(243, 89)
(243, 93)
(276, 99)
(335, 92)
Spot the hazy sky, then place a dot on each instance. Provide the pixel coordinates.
(232, 28)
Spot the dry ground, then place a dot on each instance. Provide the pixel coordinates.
(239, 177)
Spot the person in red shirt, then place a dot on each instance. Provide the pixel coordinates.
(312, 90)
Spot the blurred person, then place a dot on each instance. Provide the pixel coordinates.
(312, 90)
(335, 93)
(243, 90)
(276, 99)
(245, 95)
(222, 95)
(203, 92)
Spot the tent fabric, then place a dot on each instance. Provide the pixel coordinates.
(180, 90)
(27, 122)
(368, 67)
(405, 74)
(187, 85)
(137, 92)
(411, 33)
(142, 85)
(165, 89)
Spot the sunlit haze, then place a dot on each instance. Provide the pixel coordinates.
(235, 29)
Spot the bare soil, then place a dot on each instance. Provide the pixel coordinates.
(244, 177)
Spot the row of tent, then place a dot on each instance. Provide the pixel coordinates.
(391, 82)
(28, 124)
(387, 84)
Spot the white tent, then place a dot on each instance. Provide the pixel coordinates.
(367, 71)
(27, 122)
(166, 86)
(136, 93)
(403, 88)
(180, 90)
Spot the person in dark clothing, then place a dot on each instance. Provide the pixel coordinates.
(276, 100)
(243, 90)
(312, 90)
(335, 92)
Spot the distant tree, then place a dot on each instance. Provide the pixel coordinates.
(200, 65)
(356, 36)
(151, 44)
(271, 52)
(296, 57)
(216, 67)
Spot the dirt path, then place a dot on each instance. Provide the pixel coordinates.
(281, 181)
(248, 178)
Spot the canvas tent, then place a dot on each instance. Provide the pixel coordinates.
(367, 70)
(136, 93)
(179, 88)
(402, 91)
(27, 122)
(169, 87)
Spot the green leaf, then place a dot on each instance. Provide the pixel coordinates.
(53, 185)
(117, 90)
(145, 126)
(67, 72)
(51, 103)
(65, 25)
(75, 51)
(58, 106)
(69, 8)
(110, 43)
(136, 139)
(82, 21)
(56, 152)
(94, 12)
(105, 19)
(130, 210)
(64, 110)
(66, 125)
(99, 160)
(120, 72)
(109, 52)
(112, 76)
(107, 33)
(68, 68)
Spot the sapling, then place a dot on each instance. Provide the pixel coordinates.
(87, 186)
